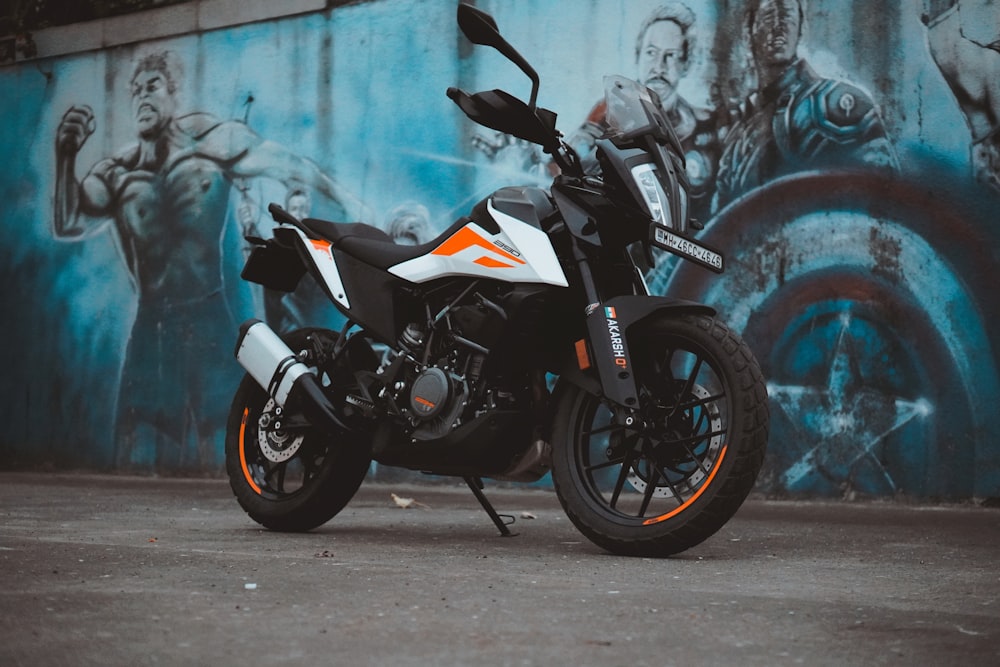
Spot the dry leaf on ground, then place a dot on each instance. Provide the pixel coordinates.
(407, 503)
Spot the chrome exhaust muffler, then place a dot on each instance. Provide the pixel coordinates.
(293, 385)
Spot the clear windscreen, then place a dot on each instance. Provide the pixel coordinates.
(626, 113)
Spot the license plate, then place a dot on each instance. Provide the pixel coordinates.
(699, 253)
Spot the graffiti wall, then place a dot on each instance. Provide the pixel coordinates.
(845, 155)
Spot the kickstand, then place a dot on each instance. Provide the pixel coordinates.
(476, 484)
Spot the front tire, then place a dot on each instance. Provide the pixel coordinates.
(288, 480)
(674, 479)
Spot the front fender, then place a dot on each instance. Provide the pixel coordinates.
(606, 349)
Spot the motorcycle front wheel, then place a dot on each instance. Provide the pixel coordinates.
(292, 479)
(677, 474)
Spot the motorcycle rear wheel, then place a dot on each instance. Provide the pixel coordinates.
(677, 477)
(292, 480)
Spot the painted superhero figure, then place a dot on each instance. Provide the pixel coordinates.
(964, 39)
(165, 200)
(795, 119)
(663, 51)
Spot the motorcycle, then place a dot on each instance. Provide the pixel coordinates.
(522, 340)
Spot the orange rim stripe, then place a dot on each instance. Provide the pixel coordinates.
(687, 503)
(243, 457)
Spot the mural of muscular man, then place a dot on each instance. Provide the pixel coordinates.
(964, 38)
(664, 50)
(795, 119)
(165, 199)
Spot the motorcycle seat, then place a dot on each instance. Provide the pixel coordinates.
(373, 246)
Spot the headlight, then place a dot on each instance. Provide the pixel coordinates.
(652, 192)
(682, 224)
(656, 197)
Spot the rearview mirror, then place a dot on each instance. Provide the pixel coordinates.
(481, 29)
(478, 26)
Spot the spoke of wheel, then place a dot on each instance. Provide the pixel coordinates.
(311, 466)
(695, 438)
(694, 458)
(604, 429)
(673, 489)
(605, 464)
(702, 401)
(687, 385)
(650, 489)
(662, 371)
(670, 360)
(622, 476)
(279, 482)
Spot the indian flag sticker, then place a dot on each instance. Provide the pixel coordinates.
(610, 313)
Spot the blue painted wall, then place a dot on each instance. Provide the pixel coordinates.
(855, 196)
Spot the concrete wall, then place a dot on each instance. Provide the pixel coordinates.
(855, 197)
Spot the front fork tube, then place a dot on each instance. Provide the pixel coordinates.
(608, 345)
(606, 330)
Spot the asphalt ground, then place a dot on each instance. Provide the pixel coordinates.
(110, 570)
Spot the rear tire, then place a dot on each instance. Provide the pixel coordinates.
(291, 480)
(680, 475)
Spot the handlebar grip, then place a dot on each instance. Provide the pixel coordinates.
(281, 215)
(466, 102)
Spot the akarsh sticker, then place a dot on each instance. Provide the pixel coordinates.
(614, 332)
